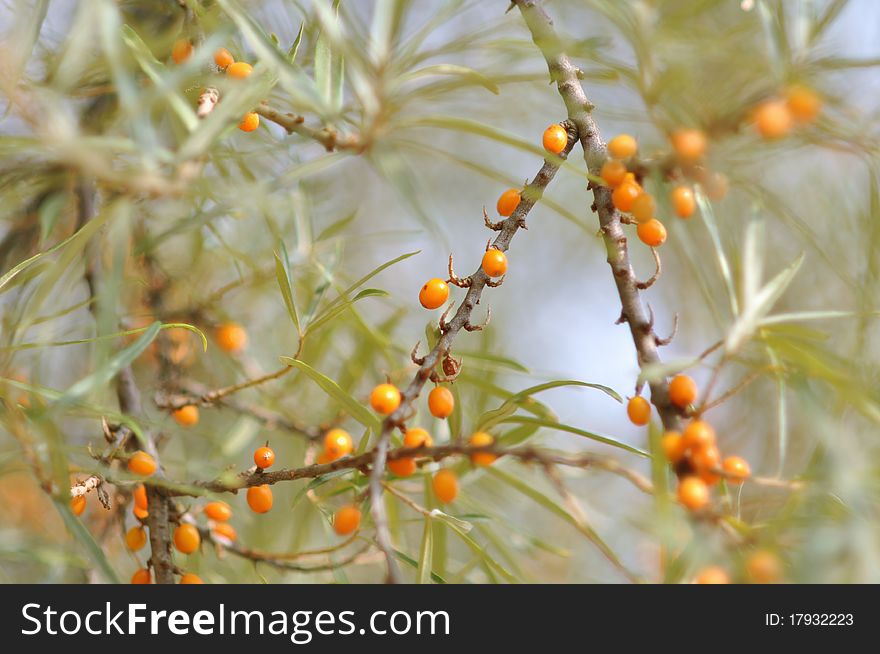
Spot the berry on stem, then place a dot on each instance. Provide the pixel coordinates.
(135, 538)
(337, 444)
(682, 391)
(181, 51)
(652, 233)
(417, 437)
(764, 567)
(508, 202)
(190, 578)
(773, 119)
(690, 144)
(441, 402)
(624, 196)
(434, 293)
(219, 511)
(225, 530)
(713, 575)
(187, 416)
(705, 460)
(139, 513)
(644, 207)
(239, 70)
(672, 444)
(698, 434)
(555, 139)
(223, 58)
(494, 262)
(613, 172)
(683, 201)
(622, 146)
(482, 439)
(140, 496)
(693, 493)
(142, 576)
(186, 538)
(803, 102)
(231, 337)
(259, 498)
(249, 122)
(737, 469)
(347, 520)
(264, 457)
(385, 399)
(78, 505)
(639, 410)
(142, 464)
(445, 485)
(402, 467)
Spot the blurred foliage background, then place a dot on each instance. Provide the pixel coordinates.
(449, 98)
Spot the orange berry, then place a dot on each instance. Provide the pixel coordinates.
(190, 578)
(555, 139)
(764, 567)
(219, 511)
(683, 201)
(644, 207)
(737, 469)
(613, 172)
(482, 439)
(652, 233)
(622, 146)
(673, 446)
(639, 410)
(508, 202)
(434, 293)
(140, 496)
(337, 444)
(223, 58)
(135, 538)
(705, 460)
(698, 434)
(773, 119)
(259, 498)
(186, 538)
(231, 337)
(417, 437)
(249, 122)
(142, 464)
(803, 102)
(181, 51)
(715, 185)
(693, 493)
(624, 196)
(445, 485)
(494, 262)
(225, 530)
(78, 505)
(385, 399)
(690, 144)
(142, 576)
(239, 70)
(682, 391)
(713, 575)
(323, 458)
(139, 513)
(402, 467)
(347, 520)
(264, 457)
(187, 416)
(441, 402)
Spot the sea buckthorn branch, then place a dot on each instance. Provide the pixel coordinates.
(295, 124)
(579, 108)
(440, 353)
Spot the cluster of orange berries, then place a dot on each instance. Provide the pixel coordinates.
(776, 117)
(183, 49)
(694, 452)
(435, 292)
(761, 567)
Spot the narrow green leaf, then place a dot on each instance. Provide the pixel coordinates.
(426, 553)
(95, 552)
(294, 49)
(343, 296)
(282, 274)
(408, 560)
(607, 440)
(454, 70)
(708, 215)
(337, 227)
(354, 408)
(105, 337)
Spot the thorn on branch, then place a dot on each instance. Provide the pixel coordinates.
(478, 328)
(622, 319)
(444, 326)
(464, 282)
(493, 226)
(495, 283)
(650, 282)
(666, 341)
(416, 359)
